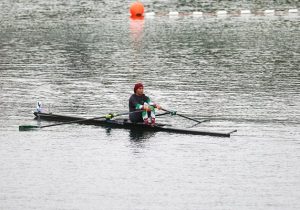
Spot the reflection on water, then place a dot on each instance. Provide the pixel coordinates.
(136, 28)
(135, 135)
(108, 131)
(139, 135)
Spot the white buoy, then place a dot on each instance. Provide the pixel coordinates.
(245, 12)
(150, 14)
(269, 11)
(221, 12)
(173, 13)
(293, 10)
(197, 14)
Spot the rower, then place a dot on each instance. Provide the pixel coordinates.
(139, 101)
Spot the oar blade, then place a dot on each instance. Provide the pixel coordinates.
(27, 127)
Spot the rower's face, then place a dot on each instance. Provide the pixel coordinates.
(140, 91)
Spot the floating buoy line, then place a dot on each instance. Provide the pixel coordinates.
(137, 10)
(224, 13)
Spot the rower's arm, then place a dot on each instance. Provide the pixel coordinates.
(155, 105)
(139, 106)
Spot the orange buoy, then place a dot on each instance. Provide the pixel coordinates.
(137, 9)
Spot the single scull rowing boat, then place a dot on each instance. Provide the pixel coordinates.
(125, 123)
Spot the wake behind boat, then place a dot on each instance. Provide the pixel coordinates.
(122, 123)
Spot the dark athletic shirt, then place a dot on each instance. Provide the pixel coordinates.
(133, 101)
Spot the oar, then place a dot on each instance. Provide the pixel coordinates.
(175, 113)
(108, 116)
(165, 113)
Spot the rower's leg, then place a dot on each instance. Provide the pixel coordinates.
(152, 117)
(145, 117)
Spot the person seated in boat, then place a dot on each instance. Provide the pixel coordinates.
(141, 107)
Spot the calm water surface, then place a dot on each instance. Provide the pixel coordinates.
(83, 58)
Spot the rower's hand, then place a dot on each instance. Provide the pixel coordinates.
(147, 108)
(158, 107)
(152, 108)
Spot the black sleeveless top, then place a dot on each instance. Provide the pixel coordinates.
(135, 100)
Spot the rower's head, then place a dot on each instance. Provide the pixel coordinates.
(138, 89)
